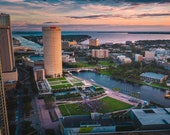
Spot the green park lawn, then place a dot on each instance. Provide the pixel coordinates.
(104, 63)
(59, 83)
(60, 86)
(72, 109)
(56, 79)
(105, 72)
(111, 105)
(107, 105)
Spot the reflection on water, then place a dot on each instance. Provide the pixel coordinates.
(142, 91)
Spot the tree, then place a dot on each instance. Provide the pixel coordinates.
(27, 128)
(49, 101)
(168, 59)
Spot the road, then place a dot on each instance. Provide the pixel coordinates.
(25, 79)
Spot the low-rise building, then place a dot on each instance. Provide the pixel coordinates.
(81, 47)
(149, 55)
(87, 124)
(138, 58)
(39, 73)
(160, 51)
(67, 58)
(65, 45)
(128, 42)
(123, 59)
(153, 77)
(152, 119)
(68, 53)
(68, 44)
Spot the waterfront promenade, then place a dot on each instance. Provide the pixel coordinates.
(44, 116)
(115, 94)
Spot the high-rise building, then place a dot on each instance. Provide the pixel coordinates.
(52, 50)
(9, 72)
(100, 53)
(6, 47)
(4, 128)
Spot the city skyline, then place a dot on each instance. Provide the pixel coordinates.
(127, 15)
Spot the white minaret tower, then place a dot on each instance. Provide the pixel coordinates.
(52, 50)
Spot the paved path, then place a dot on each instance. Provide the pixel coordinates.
(46, 122)
(69, 80)
(57, 110)
(109, 92)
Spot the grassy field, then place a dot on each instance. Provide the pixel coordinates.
(103, 105)
(59, 83)
(61, 86)
(111, 105)
(105, 72)
(56, 79)
(72, 109)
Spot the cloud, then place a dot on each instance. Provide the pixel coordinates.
(95, 16)
(12, 0)
(27, 26)
(145, 1)
(32, 13)
(95, 27)
(153, 15)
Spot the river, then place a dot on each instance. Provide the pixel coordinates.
(28, 43)
(144, 92)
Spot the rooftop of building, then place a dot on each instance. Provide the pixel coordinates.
(4, 14)
(153, 75)
(80, 121)
(156, 116)
(138, 133)
(38, 68)
(50, 24)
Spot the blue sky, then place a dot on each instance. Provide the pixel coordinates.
(141, 15)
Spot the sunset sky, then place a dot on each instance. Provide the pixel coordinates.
(115, 15)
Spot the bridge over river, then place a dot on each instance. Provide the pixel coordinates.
(83, 69)
(80, 69)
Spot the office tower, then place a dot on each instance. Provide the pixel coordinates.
(4, 129)
(52, 50)
(9, 72)
(6, 47)
(100, 53)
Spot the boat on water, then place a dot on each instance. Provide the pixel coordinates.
(167, 95)
(92, 80)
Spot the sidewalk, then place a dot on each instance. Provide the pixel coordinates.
(57, 110)
(44, 116)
